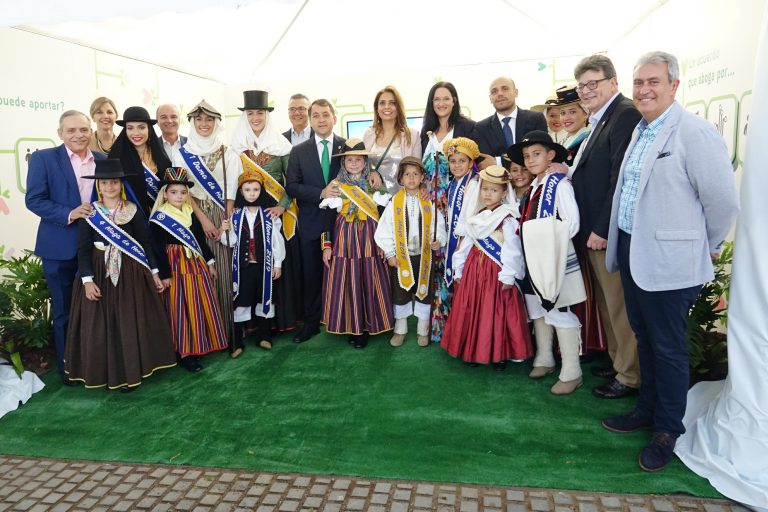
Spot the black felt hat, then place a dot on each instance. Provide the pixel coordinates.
(107, 169)
(136, 115)
(567, 94)
(256, 100)
(515, 152)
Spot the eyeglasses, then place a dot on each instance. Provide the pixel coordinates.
(591, 85)
(293, 110)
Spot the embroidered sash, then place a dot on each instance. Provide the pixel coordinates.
(152, 182)
(277, 192)
(547, 198)
(362, 200)
(455, 202)
(266, 239)
(405, 272)
(490, 248)
(204, 177)
(178, 230)
(117, 236)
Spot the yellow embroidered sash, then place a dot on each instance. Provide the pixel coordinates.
(363, 201)
(405, 272)
(277, 192)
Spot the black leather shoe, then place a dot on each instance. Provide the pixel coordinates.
(658, 453)
(305, 334)
(191, 364)
(361, 341)
(613, 389)
(604, 372)
(499, 367)
(632, 422)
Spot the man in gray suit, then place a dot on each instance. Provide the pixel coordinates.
(674, 204)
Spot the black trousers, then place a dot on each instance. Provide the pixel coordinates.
(312, 270)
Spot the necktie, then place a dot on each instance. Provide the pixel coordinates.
(325, 161)
(507, 132)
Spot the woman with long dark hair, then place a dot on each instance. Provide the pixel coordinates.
(442, 115)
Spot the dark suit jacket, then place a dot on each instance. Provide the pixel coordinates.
(462, 128)
(594, 179)
(304, 181)
(490, 138)
(52, 194)
(287, 134)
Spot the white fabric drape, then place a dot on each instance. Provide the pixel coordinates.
(727, 422)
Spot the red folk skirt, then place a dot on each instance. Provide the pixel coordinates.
(486, 324)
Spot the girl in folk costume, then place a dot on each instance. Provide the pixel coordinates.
(358, 296)
(408, 232)
(118, 331)
(142, 156)
(487, 322)
(208, 162)
(186, 267)
(549, 219)
(256, 262)
(573, 116)
(263, 149)
(520, 179)
(461, 153)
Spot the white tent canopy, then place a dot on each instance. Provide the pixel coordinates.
(242, 41)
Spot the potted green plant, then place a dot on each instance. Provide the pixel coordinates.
(708, 318)
(25, 317)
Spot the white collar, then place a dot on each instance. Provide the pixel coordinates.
(512, 114)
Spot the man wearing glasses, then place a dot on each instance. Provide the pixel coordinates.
(594, 173)
(298, 108)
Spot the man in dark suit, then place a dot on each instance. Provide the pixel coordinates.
(59, 196)
(308, 178)
(168, 122)
(594, 173)
(298, 114)
(496, 133)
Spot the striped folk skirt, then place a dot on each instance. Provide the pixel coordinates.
(223, 282)
(192, 306)
(357, 296)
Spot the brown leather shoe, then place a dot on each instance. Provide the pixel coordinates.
(566, 388)
(541, 371)
(614, 389)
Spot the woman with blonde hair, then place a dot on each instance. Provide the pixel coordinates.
(104, 114)
(390, 139)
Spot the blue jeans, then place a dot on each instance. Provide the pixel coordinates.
(659, 322)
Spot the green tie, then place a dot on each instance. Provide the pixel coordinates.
(325, 162)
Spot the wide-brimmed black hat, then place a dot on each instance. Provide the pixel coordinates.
(107, 169)
(256, 100)
(515, 152)
(135, 115)
(567, 94)
(175, 176)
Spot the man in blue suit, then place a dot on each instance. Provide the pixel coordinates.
(59, 196)
(507, 125)
(674, 204)
(308, 178)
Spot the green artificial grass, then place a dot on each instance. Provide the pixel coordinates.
(322, 407)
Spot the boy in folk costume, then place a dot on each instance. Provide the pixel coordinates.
(357, 296)
(487, 322)
(408, 232)
(186, 267)
(259, 250)
(549, 219)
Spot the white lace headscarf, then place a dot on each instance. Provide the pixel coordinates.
(270, 141)
(199, 145)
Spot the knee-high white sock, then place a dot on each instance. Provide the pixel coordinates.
(544, 332)
(569, 340)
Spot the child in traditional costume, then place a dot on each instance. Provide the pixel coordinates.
(357, 298)
(520, 179)
(488, 322)
(409, 230)
(462, 196)
(118, 330)
(186, 267)
(549, 219)
(256, 261)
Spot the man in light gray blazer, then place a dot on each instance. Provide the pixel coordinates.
(674, 204)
